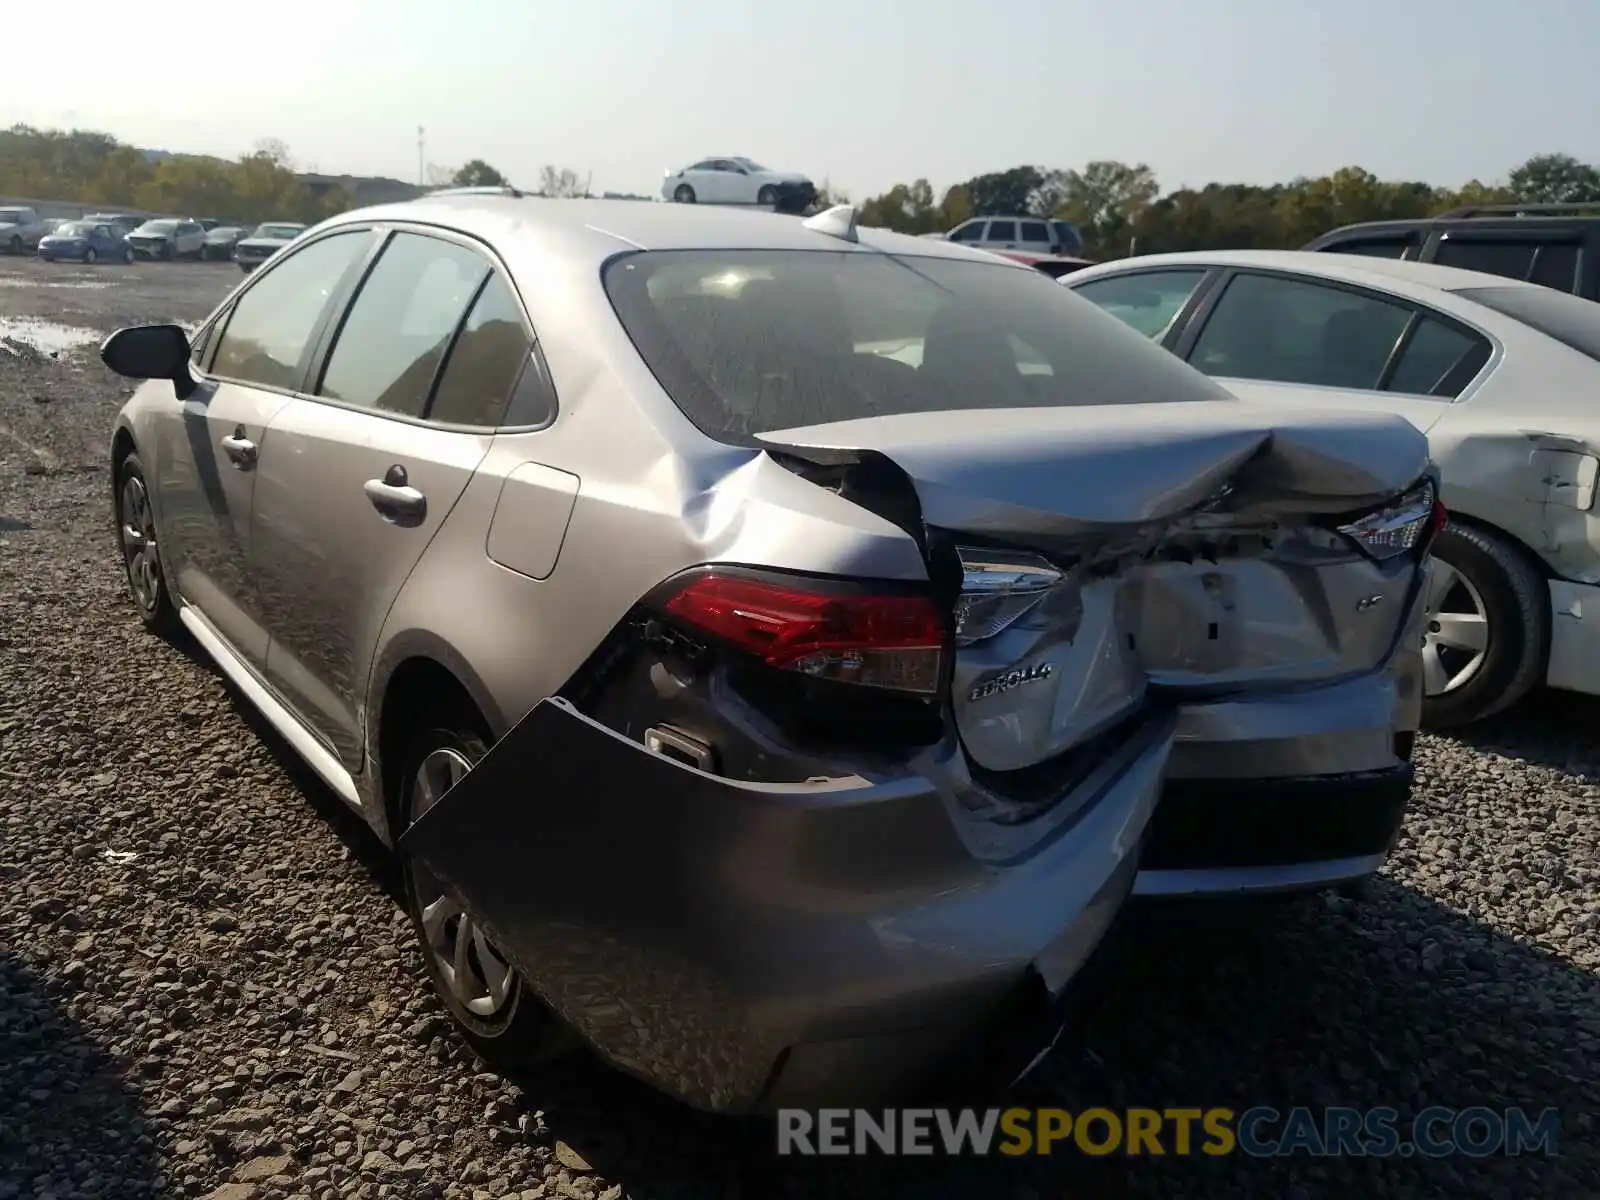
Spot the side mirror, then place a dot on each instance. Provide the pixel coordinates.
(151, 352)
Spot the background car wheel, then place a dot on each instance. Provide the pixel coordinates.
(127, 256)
(501, 1017)
(683, 194)
(141, 556)
(168, 252)
(767, 196)
(89, 255)
(1487, 639)
(14, 246)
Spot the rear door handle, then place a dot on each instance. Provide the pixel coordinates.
(240, 449)
(395, 498)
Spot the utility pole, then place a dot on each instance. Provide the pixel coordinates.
(422, 145)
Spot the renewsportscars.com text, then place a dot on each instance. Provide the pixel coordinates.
(1259, 1132)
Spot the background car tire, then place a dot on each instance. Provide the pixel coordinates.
(127, 257)
(1516, 603)
(14, 246)
(169, 252)
(89, 255)
(683, 194)
(524, 1031)
(767, 197)
(48, 257)
(149, 591)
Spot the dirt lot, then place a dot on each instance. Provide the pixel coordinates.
(206, 987)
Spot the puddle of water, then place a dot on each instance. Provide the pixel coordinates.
(46, 336)
(84, 285)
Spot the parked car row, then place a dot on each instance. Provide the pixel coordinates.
(1008, 613)
(113, 237)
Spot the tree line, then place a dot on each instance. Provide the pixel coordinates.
(96, 169)
(1120, 208)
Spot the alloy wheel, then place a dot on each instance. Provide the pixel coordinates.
(1456, 642)
(477, 975)
(139, 550)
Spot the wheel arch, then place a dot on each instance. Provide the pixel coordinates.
(1499, 532)
(420, 673)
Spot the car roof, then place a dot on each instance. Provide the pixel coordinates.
(595, 230)
(1393, 274)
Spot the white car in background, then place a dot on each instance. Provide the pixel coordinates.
(1503, 377)
(736, 180)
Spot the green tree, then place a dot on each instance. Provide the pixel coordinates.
(477, 173)
(1105, 200)
(1004, 192)
(1555, 179)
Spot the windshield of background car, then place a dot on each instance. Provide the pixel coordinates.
(280, 233)
(747, 342)
(1569, 319)
(158, 227)
(74, 229)
(10, 216)
(750, 164)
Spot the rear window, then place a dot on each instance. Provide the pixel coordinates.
(1567, 318)
(748, 342)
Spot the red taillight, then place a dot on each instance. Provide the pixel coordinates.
(1440, 517)
(874, 640)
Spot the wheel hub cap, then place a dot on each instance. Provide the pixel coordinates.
(139, 549)
(474, 971)
(1456, 640)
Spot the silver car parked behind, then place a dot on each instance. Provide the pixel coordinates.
(764, 640)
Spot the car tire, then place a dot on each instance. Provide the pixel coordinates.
(516, 1028)
(141, 556)
(14, 246)
(90, 256)
(683, 194)
(767, 197)
(168, 252)
(127, 256)
(47, 257)
(1488, 583)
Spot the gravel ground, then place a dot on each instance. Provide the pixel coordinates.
(208, 988)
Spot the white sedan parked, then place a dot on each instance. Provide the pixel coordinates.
(1504, 377)
(735, 180)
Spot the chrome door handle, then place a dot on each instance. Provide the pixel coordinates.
(240, 449)
(395, 498)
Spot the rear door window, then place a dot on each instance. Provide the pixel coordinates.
(1002, 231)
(1508, 256)
(1439, 360)
(1556, 266)
(972, 231)
(485, 361)
(395, 334)
(1274, 327)
(1036, 234)
(1145, 300)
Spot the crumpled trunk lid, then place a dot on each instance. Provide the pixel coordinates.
(1175, 549)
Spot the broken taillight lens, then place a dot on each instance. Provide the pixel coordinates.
(997, 590)
(835, 633)
(1398, 526)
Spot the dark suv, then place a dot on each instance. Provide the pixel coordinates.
(1557, 245)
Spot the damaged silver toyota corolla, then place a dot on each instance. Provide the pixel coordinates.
(766, 642)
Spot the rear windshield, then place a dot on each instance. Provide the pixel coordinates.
(1561, 315)
(748, 342)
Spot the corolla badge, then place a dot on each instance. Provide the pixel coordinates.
(1009, 680)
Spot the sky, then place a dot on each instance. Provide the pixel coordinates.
(861, 95)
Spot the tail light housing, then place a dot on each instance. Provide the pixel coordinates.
(839, 631)
(1400, 526)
